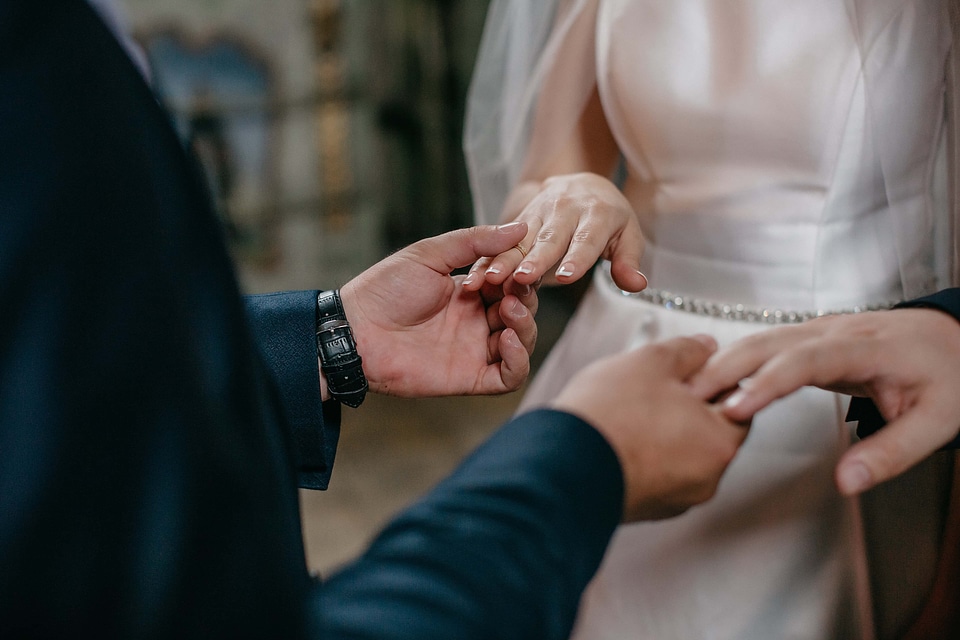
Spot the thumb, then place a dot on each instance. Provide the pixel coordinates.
(463, 247)
(900, 445)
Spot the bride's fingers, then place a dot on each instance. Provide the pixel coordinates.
(504, 265)
(527, 293)
(501, 267)
(553, 241)
(625, 259)
(587, 243)
(474, 279)
(627, 277)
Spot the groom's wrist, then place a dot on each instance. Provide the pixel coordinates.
(340, 363)
(324, 389)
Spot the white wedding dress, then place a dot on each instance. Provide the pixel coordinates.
(782, 156)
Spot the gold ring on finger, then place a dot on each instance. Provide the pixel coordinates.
(519, 247)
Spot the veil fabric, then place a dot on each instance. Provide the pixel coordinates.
(892, 42)
(526, 45)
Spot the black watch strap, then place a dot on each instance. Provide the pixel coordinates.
(337, 349)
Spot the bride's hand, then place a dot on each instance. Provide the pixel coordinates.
(573, 220)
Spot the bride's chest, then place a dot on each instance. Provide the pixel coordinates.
(672, 71)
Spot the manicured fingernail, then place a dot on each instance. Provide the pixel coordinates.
(471, 278)
(518, 309)
(525, 268)
(646, 282)
(853, 477)
(735, 400)
(565, 270)
(509, 227)
(493, 270)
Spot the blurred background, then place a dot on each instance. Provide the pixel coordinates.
(330, 132)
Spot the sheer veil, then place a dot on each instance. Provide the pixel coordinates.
(526, 45)
(894, 41)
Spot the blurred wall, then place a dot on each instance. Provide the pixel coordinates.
(329, 129)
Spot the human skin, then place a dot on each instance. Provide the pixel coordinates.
(905, 360)
(673, 446)
(421, 333)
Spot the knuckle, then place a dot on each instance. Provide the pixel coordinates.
(583, 235)
(547, 235)
(654, 351)
(591, 202)
(553, 180)
(562, 204)
(562, 200)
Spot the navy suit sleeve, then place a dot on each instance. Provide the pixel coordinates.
(284, 327)
(502, 549)
(146, 485)
(863, 410)
(947, 301)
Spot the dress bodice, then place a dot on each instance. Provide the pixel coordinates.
(757, 140)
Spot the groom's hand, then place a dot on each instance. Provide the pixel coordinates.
(673, 446)
(421, 333)
(906, 360)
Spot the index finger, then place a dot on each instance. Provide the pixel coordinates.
(820, 362)
(741, 359)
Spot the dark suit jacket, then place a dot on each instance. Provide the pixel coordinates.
(152, 425)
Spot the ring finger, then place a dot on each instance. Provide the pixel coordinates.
(504, 265)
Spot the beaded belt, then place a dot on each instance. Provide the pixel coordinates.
(727, 311)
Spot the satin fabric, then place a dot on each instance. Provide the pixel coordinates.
(783, 155)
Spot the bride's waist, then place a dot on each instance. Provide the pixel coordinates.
(795, 289)
(784, 264)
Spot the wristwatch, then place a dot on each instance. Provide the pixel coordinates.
(337, 349)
